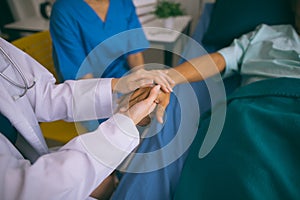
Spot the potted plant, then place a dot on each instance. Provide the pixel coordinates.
(167, 10)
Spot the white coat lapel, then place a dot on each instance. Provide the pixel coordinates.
(20, 113)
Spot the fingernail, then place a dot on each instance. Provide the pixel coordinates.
(161, 120)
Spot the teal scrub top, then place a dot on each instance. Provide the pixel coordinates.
(76, 31)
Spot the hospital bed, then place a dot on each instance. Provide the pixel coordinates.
(218, 25)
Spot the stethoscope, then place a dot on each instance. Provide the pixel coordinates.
(25, 85)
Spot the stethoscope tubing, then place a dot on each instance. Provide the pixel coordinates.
(26, 86)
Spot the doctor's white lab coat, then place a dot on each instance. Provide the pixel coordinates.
(76, 169)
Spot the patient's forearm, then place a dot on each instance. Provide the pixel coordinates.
(198, 69)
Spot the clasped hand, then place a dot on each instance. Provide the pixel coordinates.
(150, 88)
(162, 100)
(143, 78)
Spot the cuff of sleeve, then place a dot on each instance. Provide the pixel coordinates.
(231, 64)
(127, 128)
(112, 142)
(104, 107)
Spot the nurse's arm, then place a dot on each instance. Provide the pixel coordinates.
(136, 60)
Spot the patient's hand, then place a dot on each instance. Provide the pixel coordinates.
(140, 94)
(143, 78)
(163, 101)
(137, 96)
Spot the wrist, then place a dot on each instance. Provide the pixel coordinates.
(176, 76)
(114, 82)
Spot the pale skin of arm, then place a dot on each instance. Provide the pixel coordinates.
(198, 69)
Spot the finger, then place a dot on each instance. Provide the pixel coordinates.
(160, 112)
(165, 73)
(165, 81)
(141, 82)
(159, 77)
(140, 94)
(152, 107)
(127, 101)
(153, 94)
(164, 85)
(170, 80)
(124, 104)
(144, 77)
(145, 121)
(166, 89)
(163, 102)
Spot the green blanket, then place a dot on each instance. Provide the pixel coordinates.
(258, 153)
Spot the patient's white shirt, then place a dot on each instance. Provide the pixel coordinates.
(267, 52)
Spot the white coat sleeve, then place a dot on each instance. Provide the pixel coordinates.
(72, 172)
(73, 100)
(86, 99)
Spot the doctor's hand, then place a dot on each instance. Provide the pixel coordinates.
(144, 107)
(143, 78)
(162, 100)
